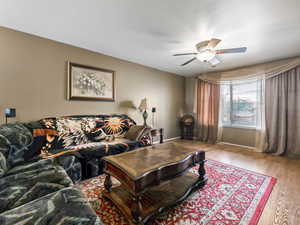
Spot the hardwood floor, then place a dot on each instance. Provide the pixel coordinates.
(283, 207)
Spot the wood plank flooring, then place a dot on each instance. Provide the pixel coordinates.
(283, 207)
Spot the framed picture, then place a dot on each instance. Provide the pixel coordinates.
(90, 83)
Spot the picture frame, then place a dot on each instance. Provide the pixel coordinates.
(90, 83)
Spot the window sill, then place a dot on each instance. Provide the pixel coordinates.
(239, 127)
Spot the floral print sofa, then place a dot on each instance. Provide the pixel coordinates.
(41, 161)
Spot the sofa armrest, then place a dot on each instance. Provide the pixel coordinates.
(71, 165)
(66, 206)
(3, 165)
(146, 139)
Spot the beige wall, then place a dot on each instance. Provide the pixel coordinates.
(190, 86)
(239, 136)
(33, 80)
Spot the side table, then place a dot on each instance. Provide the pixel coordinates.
(157, 132)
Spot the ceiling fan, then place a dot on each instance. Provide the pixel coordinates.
(207, 53)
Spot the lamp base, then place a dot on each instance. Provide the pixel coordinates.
(145, 116)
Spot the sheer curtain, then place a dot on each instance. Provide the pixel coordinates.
(260, 129)
(220, 124)
(237, 100)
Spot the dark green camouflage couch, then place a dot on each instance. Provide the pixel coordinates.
(38, 191)
(40, 161)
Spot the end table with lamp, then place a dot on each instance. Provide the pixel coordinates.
(154, 131)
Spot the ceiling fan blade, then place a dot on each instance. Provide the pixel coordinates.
(202, 45)
(213, 43)
(189, 61)
(180, 54)
(231, 50)
(214, 61)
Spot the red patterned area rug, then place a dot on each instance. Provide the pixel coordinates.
(232, 196)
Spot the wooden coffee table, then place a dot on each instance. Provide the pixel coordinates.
(153, 179)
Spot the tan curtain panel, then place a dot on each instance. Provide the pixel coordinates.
(208, 96)
(246, 74)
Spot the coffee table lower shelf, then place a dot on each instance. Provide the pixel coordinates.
(156, 199)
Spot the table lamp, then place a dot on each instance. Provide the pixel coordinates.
(143, 107)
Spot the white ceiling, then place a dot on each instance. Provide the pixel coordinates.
(148, 32)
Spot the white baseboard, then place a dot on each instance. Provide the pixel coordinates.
(224, 143)
(166, 140)
(242, 146)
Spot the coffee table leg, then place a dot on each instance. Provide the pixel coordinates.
(107, 182)
(202, 173)
(136, 209)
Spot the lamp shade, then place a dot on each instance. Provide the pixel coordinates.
(10, 112)
(143, 106)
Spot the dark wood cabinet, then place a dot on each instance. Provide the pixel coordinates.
(187, 124)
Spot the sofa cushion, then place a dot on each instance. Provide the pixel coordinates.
(73, 131)
(41, 135)
(109, 125)
(71, 165)
(3, 165)
(117, 124)
(90, 154)
(27, 182)
(95, 149)
(62, 132)
(15, 141)
(65, 207)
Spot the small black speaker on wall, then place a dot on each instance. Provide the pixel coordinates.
(9, 113)
(153, 114)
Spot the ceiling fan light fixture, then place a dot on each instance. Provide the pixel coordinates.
(206, 55)
(206, 52)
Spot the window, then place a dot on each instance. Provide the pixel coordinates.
(240, 104)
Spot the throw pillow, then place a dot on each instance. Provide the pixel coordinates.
(117, 125)
(134, 132)
(71, 132)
